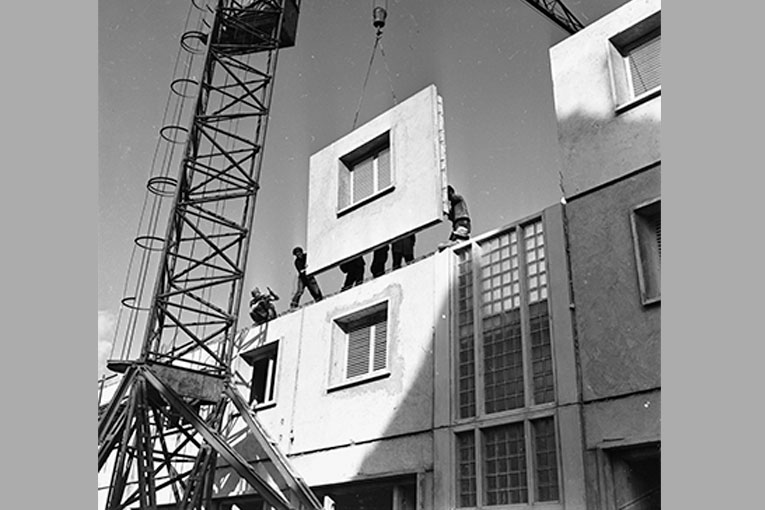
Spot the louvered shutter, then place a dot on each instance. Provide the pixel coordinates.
(358, 352)
(656, 227)
(363, 183)
(645, 65)
(383, 169)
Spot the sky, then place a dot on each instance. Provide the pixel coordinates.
(488, 59)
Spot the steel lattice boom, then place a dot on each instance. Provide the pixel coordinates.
(556, 11)
(165, 433)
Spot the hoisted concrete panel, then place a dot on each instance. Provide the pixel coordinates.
(380, 182)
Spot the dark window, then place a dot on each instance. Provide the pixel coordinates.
(400, 494)
(646, 228)
(263, 362)
(636, 475)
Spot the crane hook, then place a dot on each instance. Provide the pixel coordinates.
(378, 18)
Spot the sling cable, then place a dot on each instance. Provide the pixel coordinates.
(379, 16)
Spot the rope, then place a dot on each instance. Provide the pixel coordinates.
(387, 71)
(366, 79)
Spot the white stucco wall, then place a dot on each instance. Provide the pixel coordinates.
(599, 143)
(376, 427)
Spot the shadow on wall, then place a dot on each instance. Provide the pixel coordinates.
(389, 463)
(599, 148)
(404, 450)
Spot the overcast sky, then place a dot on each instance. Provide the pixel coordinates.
(488, 59)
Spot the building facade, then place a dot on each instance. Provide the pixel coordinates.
(607, 86)
(447, 383)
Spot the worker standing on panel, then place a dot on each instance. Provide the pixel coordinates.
(304, 281)
(262, 307)
(403, 249)
(459, 216)
(354, 272)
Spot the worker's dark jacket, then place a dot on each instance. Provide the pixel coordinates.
(458, 209)
(300, 263)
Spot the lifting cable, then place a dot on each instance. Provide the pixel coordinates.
(378, 21)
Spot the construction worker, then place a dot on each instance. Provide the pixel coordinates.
(304, 281)
(379, 258)
(354, 272)
(262, 307)
(403, 249)
(459, 216)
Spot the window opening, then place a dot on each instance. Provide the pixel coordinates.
(635, 61)
(365, 172)
(517, 461)
(646, 229)
(263, 362)
(367, 341)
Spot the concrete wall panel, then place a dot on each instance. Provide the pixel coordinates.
(311, 417)
(619, 338)
(416, 201)
(624, 421)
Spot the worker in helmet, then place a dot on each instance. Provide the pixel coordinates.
(304, 281)
(262, 307)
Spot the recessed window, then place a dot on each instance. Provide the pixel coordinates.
(517, 362)
(263, 362)
(636, 62)
(504, 347)
(365, 173)
(646, 231)
(366, 341)
(636, 473)
(501, 464)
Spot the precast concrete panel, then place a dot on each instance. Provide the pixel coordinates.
(344, 222)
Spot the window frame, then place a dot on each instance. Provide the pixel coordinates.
(269, 351)
(348, 162)
(638, 220)
(530, 411)
(341, 333)
(618, 50)
(478, 327)
(529, 454)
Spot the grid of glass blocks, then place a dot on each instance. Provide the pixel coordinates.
(505, 465)
(545, 458)
(466, 361)
(536, 266)
(500, 277)
(503, 362)
(466, 476)
(541, 353)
